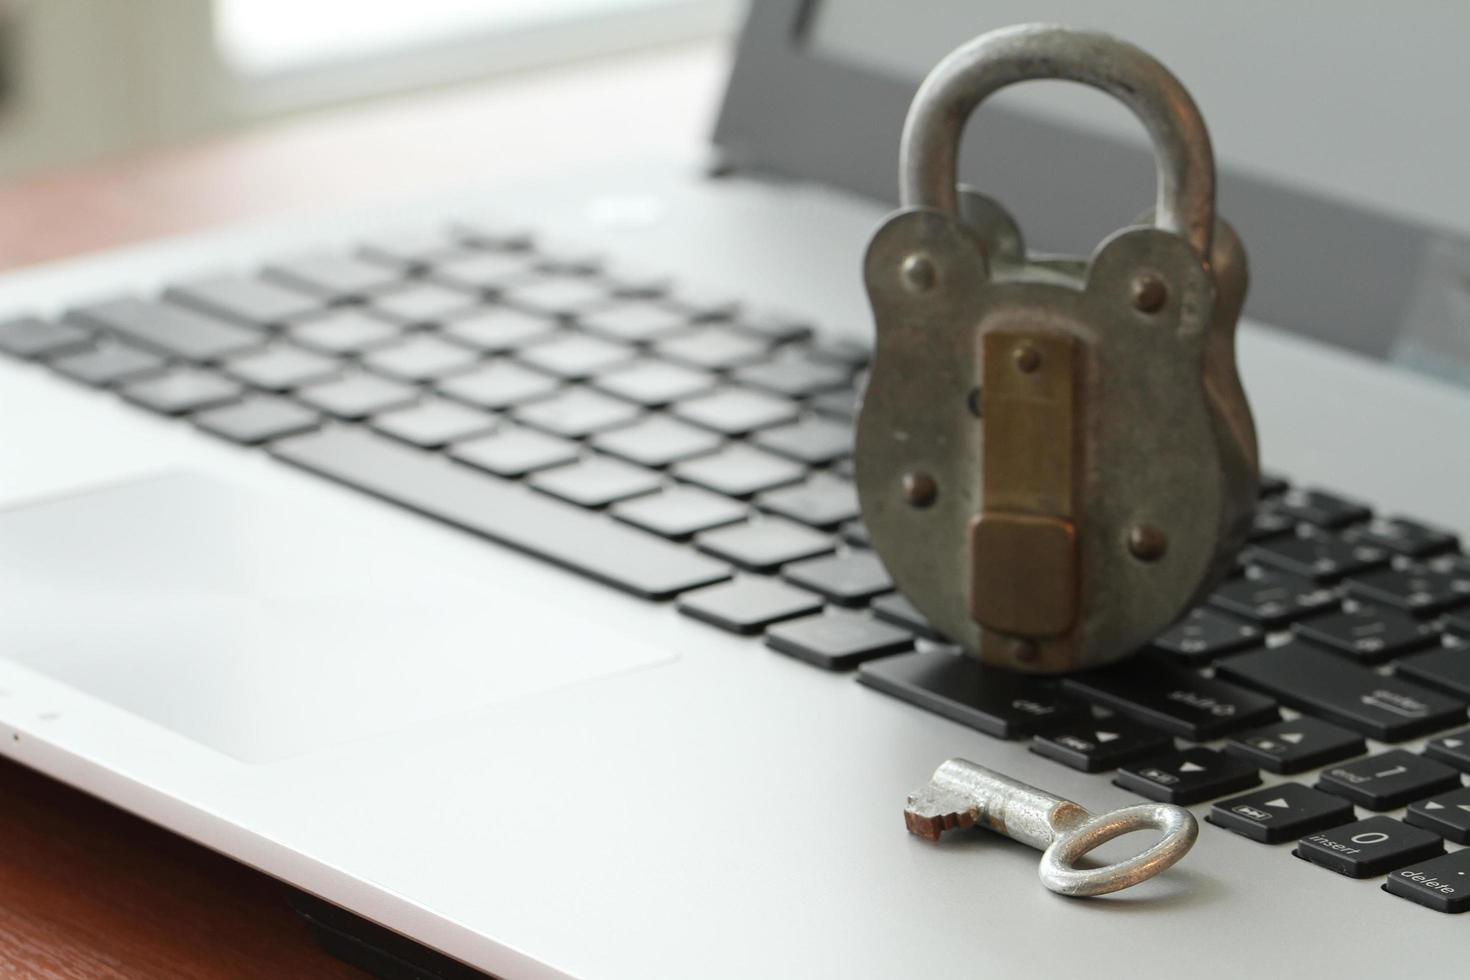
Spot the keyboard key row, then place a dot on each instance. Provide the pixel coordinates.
(580, 540)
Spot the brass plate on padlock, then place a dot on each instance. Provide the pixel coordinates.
(1023, 577)
(1023, 545)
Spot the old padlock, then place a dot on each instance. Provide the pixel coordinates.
(1055, 456)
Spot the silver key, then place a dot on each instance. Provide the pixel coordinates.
(963, 794)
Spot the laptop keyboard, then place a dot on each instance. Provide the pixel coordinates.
(689, 448)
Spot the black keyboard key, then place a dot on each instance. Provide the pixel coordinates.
(1272, 599)
(1447, 814)
(333, 275)
(512, 451)
(1321, 508)
(1179, 702)
(1097, 746)
(1420, 592)
(1452, 749)
(1204, 634)
(579, 540)
(679, 512)
(421, 304)
(748, 605)
(565, 296)
(1368, 633)
(419, 358)
(575, 413)
(34, 339)
(596, 481)
(821, 501)
(1273, 484)
(344, 331)
(1286, 811)
(739, 471)
(108, 363)
(838, 640)
(897, 609)
(1187, 777)
(815, 441)
(484, 271)
(257, 303)
(1388, 780)
(498, 384)
(653, 383)
(657, 441)
(174, 331)
(499, 329)
(280, 367)
(256, 419)
(713, 348)
(776, 326)
(1457, 624)
(705, 303)
(840, 405)
(794, 374)
(635, 322)
(855, 533)
(1369, 848)
(849, 353)
(1319, 556)
(997, 702)
(736, 411)
(356, 395)
(765, 545)
(1311, 679)
(1439, 883)
(434, 422)
(416, 248)
(1405, 537)
(574, 356)
(1268, 524)
(1447, 669)
(182, 390)
(1296, 746)
(849, 580)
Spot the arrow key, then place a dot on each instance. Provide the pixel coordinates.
(1191, 776)
(1452, 749)
(1282, 812)
(1095, 746)
(1295, 746)
(1447, 814)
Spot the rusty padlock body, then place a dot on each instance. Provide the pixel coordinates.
(1055, 456)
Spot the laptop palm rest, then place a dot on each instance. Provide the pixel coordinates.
(265, 628)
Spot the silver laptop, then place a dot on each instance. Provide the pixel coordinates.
(508, 599)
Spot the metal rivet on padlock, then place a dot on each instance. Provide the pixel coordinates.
(1088, 458)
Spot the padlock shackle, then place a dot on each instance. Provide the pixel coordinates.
(929, 152)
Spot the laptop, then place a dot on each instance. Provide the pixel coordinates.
(508, 599)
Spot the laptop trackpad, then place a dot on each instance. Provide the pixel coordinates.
(263, 628)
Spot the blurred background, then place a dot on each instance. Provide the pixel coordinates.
(83, 80)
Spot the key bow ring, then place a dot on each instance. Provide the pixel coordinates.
(963, 794)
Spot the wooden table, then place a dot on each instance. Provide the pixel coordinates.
(86, 890)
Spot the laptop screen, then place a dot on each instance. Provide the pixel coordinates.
(1340, 132)
(1360, 99)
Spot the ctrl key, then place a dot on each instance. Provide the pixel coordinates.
(1442, 884)
(1369, 848)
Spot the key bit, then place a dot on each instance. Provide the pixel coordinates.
(931, 811)
(962, 794)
